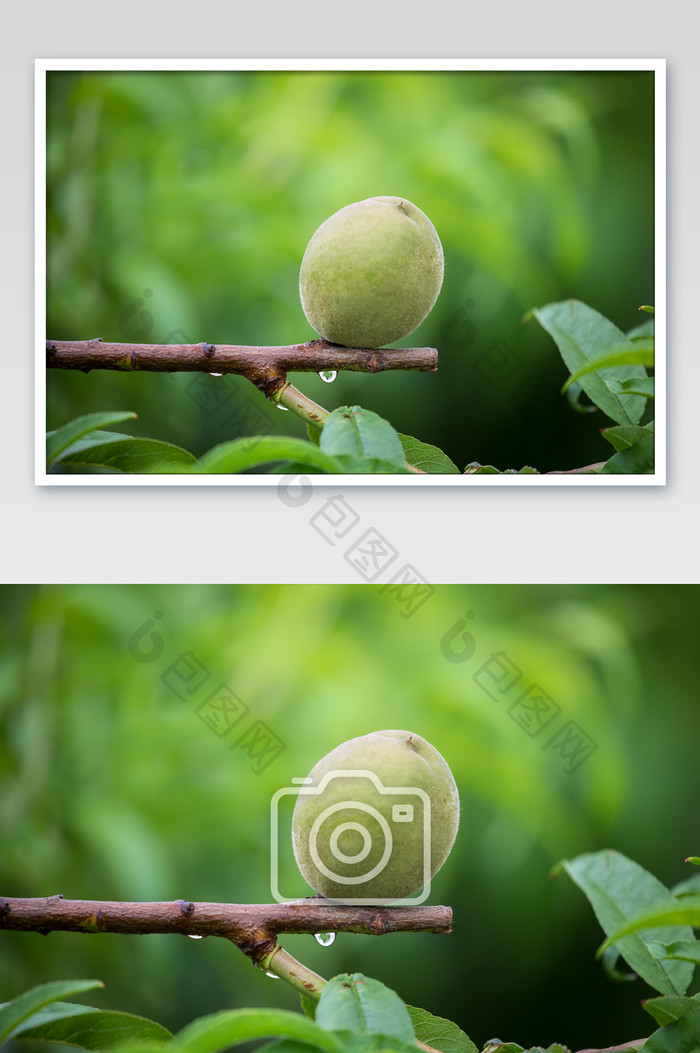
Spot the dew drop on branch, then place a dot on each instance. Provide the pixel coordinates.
(328, 375)
(324, 938)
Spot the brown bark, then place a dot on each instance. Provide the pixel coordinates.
(253, 927)
(266, 367)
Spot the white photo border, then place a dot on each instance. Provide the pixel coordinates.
(657, 66)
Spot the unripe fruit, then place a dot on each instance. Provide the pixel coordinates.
(362, 839)
(371, 273)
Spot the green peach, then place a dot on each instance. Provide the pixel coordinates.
(356, 840)
(371, 273)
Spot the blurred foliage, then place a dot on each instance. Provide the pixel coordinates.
(112, 787)
(180, 203)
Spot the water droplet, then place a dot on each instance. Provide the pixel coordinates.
(216, 374)
(273, 976)
(328, 375)
(324, 938)
(280, 406)
(193, 937)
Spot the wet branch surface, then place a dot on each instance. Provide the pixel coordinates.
(253, 927)
(264, 366)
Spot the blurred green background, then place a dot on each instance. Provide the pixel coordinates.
(112, 787)
(180, 204)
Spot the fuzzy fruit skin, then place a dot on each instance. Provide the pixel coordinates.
(399, 759)
(371, 273)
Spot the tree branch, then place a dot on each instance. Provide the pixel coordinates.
(304, 980)
(253, 927)
(266, 367)
(296, 401)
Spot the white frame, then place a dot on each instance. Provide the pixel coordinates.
(658, 66)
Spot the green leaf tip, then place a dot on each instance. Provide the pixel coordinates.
(438, 1033)
(24, 1005)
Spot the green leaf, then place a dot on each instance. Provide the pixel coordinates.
(649, 310)
(346, 465)
(687, 950)
(292, 468)
(127, 454)
(694, 859)
(90, 441)
(358, 1003)
(622, 436)
(369, 466)
(243, 454)
(97, 1029)
(670, 1007)
(313, 433)
(439, 1033)
(361, 433)
(618, 889)
(674, 912)
(609, 959)
(57, 441)
(369, 1042)
(637, 459)
(645, 328)
(582, 335)
(682, 1036)
(353, 1042)
(474, 468)
(641, 386)
(685, 888)
(641, 352)
(428, 458)
(53, 1011)
(284, 1045)
(573, 397)
(14, 1012)
(216, 1032)
(308, 1005)
(494, 1045)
